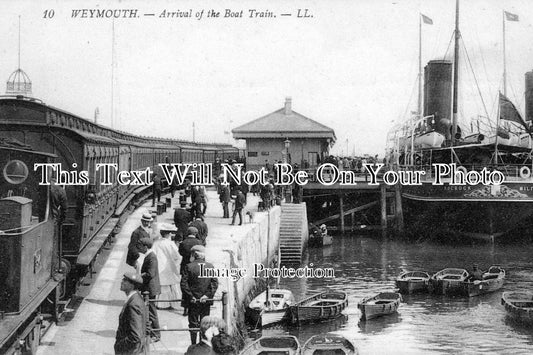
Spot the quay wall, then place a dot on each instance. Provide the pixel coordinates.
(240, 247)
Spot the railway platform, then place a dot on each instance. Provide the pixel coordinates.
(91, 326)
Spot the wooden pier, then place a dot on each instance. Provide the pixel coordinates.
(345, 202)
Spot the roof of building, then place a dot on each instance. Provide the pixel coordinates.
(283, 123)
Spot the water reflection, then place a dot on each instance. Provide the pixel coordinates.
(380, 324)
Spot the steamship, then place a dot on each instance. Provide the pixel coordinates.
(435, 136)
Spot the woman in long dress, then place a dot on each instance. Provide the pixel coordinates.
(168, 260)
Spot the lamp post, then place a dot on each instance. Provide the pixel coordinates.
(288, 189)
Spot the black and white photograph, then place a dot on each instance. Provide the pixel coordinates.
(262, 177)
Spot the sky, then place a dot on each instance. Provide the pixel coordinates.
(350, 65)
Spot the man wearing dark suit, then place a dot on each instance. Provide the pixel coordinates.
(239, 205)
(143, 231)
(157, 188)
(198, 289)
(225, 198)
(185, 251)
(199, 224)
(131, 332)
(181, 220)
(196, 199)
(150, 277)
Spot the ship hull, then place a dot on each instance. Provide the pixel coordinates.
(484, 212)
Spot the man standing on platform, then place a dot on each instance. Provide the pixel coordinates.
(143, 231)
(198, 289)
(201, 226)
(182, 218)
(225, 198)
(196, 199)
(150, 277)
(185, 250)
(157, 187)
(239, 205)
(131, 332)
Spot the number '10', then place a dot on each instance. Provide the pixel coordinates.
(48, 13)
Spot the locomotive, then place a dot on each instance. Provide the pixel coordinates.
(44, 260)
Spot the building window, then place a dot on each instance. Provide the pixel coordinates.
(252, 154)
(265, 153)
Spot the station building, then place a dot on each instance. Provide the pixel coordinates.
(287, 136)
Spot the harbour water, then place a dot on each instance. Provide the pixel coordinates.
(425, 324)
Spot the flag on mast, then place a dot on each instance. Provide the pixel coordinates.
(429, 21)
(509, 112)
(510, 17)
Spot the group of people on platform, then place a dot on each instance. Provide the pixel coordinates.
(159, 265)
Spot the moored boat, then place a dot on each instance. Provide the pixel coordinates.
(325, 344)
(275, 308)
(379, 305)
(319, 237)
(448, 281)
(519, 305)
(492, 281)
(325, 305)
(412, 282)
(272, 345)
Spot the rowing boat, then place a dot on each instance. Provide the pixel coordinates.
(273, 345)
(412, 282)
(273, 310)
(325, 305)
(326, 344)
(448, 281)
(379, 305)
(492, 280)
(519, 305)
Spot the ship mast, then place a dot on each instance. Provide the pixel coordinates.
(419, 104)
(455, 72)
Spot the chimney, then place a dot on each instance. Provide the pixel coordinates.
(288, 108)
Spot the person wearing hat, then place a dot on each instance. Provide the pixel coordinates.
(225, 198)
(151, 284)
(132, 319)
(201, 226)
(198, 289)
(168, 260)
(143, 231)
(182, 218)
(157, 187)
(240, 201)
(185, 251)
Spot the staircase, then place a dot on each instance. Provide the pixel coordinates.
(293, 233)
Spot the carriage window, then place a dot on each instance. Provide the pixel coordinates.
(15, 172)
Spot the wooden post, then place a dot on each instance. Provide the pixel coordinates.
(148, 337)
(399, 209)
(341, 200)
(383, 210)
(225, 308)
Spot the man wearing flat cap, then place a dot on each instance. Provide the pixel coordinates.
(130, 338)
(185, 251)
(151, 284)
(198, 289)
(143, 231)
